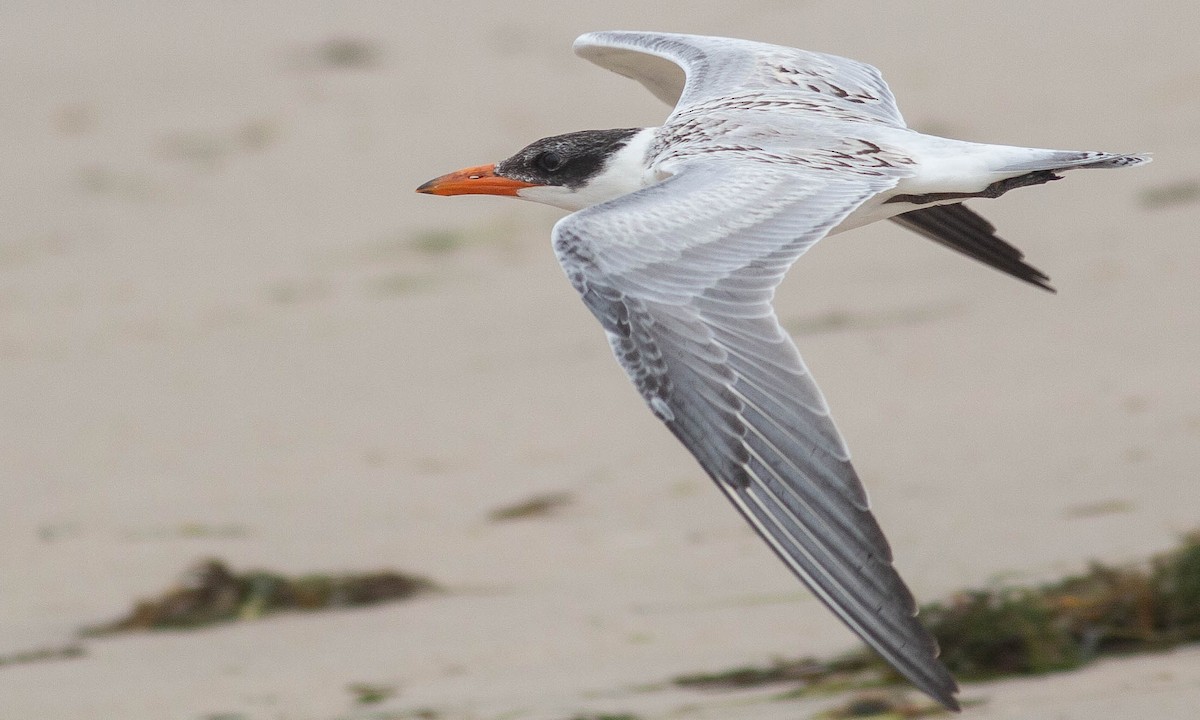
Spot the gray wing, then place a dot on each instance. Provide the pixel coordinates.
(681, 275)
(688, 70)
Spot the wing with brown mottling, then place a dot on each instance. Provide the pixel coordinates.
(688, 70)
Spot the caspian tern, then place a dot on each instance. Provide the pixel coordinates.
(679, 235)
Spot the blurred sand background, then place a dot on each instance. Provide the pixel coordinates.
(229, 328)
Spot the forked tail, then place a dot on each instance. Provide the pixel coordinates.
(961, 229)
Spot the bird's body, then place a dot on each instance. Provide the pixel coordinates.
(680, 234)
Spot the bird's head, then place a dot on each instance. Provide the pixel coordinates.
(571, 171)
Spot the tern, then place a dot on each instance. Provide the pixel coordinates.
(680, 234)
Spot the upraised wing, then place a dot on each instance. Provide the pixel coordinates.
(687, 70)
(681, 275)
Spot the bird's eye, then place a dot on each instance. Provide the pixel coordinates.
(549, 161)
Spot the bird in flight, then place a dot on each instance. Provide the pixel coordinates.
(680, 234)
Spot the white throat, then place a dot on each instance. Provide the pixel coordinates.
(627, 170)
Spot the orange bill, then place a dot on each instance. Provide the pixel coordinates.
(481, 180)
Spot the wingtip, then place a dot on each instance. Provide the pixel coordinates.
(1117, 161)
(583, 41)
(598, 37)
(1045, 285)
(941, 687)
(592, 44)
(589, 41)
(938, 683)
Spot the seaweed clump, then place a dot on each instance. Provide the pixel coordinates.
(845, 670)
(882, 706)
(1107, 610)
(212, 593)
(536, 506)
(1005, 631)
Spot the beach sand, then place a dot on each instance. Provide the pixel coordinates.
(228, 327)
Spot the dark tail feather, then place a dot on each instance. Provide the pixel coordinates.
(959, 228)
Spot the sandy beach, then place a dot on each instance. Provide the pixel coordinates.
(229, 328)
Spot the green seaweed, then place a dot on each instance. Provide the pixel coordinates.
(882, 706)
(64, 652)
(988, 633)
(1061, 625)
(803, 670)
(370, 693)
(536, 506)
(212, 593)
(1020, 630)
